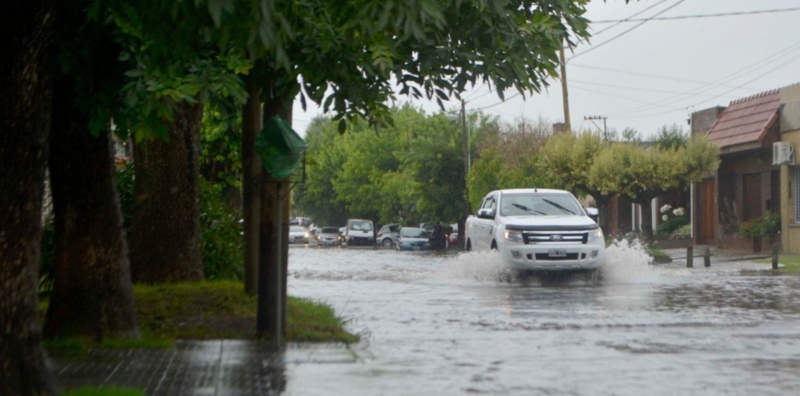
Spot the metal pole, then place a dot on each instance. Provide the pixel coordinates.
(465, 138)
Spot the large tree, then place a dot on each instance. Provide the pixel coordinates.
(567, 159)
(642, 174)
(30, 31)
(92, 293)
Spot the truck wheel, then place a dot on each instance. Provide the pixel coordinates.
(469, 245)
(494, 246)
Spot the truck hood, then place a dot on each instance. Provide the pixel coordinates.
(532, 223)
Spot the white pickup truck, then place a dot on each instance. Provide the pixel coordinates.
(537, 229)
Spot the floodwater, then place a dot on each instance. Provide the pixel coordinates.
(459, 323)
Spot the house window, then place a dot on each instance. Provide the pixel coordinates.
(797, 194)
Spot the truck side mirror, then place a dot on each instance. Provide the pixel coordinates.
(486, 213)
(594, 214)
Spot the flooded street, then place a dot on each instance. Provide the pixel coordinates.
(461, 324)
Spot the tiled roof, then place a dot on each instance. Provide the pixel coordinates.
(746, 120)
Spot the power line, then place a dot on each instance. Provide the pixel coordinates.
(717, 96)
(625, 32)
(630, 72)
(500, 102)
(633, 88)
(628, 18)
(721, 14)
(770, 59)
(619, 97)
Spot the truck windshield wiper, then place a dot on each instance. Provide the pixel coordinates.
(557, 205)
(527, 209)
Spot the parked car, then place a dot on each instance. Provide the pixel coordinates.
(298, 234)
(359, 232)
(329, 236)
(387, 235)
(413, 238)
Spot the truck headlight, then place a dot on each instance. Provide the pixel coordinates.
(595, 236)
(513, 236)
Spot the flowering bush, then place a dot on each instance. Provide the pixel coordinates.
(673, 219)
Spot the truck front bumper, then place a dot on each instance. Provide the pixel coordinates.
(554, 257)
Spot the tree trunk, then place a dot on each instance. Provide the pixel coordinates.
(274, 230)
(251, 184)
(647, 219)
(165, 240)
(602, 208)
(92, 295)
(25, 107)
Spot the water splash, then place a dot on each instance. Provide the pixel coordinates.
(628, 261)
(475, 266)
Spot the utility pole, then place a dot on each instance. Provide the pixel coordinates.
(605, 129)
(564, 92)
(465, 139)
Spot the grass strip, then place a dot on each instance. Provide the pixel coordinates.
(105, 391)
(790, 262)
(210, 310)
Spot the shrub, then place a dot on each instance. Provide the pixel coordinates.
(767, 226)
(221, 235)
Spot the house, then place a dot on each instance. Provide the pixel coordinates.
(750, 181)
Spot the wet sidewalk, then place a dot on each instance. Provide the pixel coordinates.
(197, 368)
(716, 256)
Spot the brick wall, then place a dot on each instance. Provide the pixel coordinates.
(703, 120)
(735, 242)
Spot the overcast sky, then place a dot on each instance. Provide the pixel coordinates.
(647, 73)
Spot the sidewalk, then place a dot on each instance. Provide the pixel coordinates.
(678, 255)
(218, 367)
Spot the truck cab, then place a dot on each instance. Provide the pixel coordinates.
(537, 230)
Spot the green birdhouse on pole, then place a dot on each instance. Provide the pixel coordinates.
(280, 148)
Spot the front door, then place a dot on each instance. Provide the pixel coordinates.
(706, 227)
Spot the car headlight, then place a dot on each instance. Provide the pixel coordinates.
(595, 236)
(513, 236)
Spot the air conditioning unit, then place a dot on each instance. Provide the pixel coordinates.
(782, 153)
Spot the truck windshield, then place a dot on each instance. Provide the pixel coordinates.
(361, 225)
(539, 205)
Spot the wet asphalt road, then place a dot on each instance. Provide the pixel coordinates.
(460, 324)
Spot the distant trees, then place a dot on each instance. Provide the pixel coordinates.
(506, 156)
(410, 172)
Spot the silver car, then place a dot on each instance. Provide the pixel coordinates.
(329, 236)
(388, 234)
(298, 234)
(413, 238)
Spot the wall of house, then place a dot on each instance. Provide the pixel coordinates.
(790, 132)
(703, 120)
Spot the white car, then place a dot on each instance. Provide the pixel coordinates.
(359, 232)
(537, 229)
(298, 234)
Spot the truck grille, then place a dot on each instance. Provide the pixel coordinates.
(545, 237)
